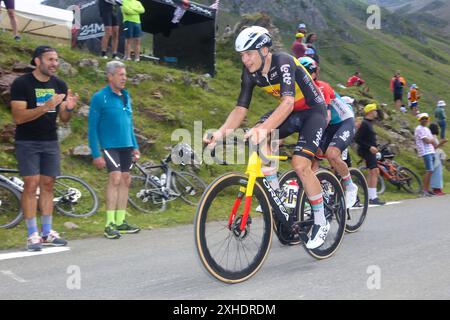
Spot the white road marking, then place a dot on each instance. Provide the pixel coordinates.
(23, 254)
(387, 204)
(13, 276)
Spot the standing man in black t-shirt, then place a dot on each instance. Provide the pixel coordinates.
(37, 98)
(111, 16)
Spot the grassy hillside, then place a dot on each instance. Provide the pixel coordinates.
(376, 54)
(179, 107)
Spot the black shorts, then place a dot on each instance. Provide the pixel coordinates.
(111, 18)
(398, 96)
(369, 157)
(119, 159)
(338, 135)
(38, 158)
(310, 126)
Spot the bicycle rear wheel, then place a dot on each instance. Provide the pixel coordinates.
(335, 213)
(410, 180)
(145, 196)
(73, 197)
(357, 214)
(189, 186)
(10, 209)
(229, 254)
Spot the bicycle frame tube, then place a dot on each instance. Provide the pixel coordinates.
(254, 172)
(9, 182)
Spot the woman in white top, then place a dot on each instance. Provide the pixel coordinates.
(437, 178)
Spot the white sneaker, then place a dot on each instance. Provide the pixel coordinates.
(318, 236)
(351, 195)
(34, 242)
(258, 209)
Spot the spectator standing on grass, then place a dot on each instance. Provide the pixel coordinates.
(132, 9)
(110, 12)
(437, 178)
(397, 84)
(298, 47)
(366, 138)
(439, 114)
(425, 144)
(311, 48)
(413, 99)
(111, 131)
(10, 8)
(37, 99)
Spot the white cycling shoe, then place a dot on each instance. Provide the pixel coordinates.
(351, 195)
(318, 236)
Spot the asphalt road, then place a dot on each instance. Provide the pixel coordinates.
(402, 252)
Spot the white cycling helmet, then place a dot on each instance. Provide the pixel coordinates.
(253, 38)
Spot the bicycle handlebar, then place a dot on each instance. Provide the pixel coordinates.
(252, 146)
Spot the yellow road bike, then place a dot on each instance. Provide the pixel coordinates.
(237, 213)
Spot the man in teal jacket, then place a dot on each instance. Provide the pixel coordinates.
(111, 131)
(131, 10)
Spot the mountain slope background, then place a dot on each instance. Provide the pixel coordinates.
(432, 14)
(174, 98)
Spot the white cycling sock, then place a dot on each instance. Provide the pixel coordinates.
(372, 193)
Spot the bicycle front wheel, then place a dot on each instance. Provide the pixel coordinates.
(335, 213)
(73, 197)
(10, 209)
(229, 254)
(189, 186)
(357, 214)
(410, 180)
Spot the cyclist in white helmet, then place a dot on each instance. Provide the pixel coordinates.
(302, 110)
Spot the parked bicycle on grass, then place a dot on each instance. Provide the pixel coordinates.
(73, 197)
(153, 186)
(396, 174)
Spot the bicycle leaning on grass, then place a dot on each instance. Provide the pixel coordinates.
(152, 186)
(72, 197)
(396, 174)
(233, 236)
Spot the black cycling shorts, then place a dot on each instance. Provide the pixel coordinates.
(119, 159)
(338, 135)
(310, 126)
(398, 96)
(369, 157)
